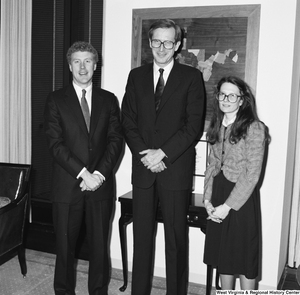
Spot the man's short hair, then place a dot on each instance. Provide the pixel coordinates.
(82, 46)
(165, 24)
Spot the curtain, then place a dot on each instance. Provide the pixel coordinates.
(15, 81)
(294, 235)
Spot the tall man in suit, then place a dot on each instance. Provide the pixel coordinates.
(84, 133)
(162, 118)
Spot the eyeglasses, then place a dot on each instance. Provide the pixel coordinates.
(157, 43)
(231, 97)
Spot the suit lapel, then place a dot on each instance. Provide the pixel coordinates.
(97, 102)
(148, 88)
(75, 108)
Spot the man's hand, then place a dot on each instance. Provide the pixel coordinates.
(159, 167)
(83, 186)
(90, 182)
(152, 158)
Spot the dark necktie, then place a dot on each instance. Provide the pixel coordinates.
(159, 89)
(85, 109)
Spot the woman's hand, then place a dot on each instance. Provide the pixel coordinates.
(210, 209)
(221, 212)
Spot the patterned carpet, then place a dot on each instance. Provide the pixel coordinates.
(39, 279)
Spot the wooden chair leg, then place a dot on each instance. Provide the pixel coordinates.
(22, 260)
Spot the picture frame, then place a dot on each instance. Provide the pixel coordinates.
(201, 163)
(218, 40)
(201, 157)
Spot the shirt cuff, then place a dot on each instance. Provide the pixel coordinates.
(97, 172)
(164, 153)
(80, 173)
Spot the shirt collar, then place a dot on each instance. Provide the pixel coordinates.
(167, 68)
(229, 122)
(78, 90)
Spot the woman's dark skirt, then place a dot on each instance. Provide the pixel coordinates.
(233, 245)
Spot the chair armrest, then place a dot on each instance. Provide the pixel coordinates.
(13, 204)
(4, 201)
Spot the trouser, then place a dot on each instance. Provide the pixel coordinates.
(174, 207)
(67, 220)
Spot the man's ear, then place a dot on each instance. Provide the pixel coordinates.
(177, 45)
(150, 43)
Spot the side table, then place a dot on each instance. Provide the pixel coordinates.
(196, 218)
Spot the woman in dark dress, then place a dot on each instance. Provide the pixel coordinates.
(237, 140)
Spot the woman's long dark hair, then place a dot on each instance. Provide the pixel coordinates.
(246, 114)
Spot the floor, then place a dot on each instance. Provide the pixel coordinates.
(289, 280)
(39, 278)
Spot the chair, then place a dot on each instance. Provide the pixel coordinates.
(14, 193)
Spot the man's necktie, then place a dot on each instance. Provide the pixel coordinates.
(85, 110)
(159, 89)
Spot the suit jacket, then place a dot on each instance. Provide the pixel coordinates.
(175, 128)
(73, 148)
(240, 163)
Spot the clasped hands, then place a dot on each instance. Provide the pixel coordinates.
(216, 214)
(90, 182)
(153, 160)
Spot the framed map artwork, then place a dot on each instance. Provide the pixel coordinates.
(218, 40)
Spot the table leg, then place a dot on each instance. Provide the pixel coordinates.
(123, 222)
(217, 281)
(209, 273)
(209, 276)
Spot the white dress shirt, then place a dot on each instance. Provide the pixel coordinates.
(166, 73)
(88, 96)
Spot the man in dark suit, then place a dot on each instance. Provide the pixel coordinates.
(82, 125)
(162, 118)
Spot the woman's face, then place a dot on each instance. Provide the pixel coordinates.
(230, 108)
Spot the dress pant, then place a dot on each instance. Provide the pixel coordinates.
(67, 220)
(174, 207)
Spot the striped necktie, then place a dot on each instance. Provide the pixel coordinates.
(159, 89)
(85, 110)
